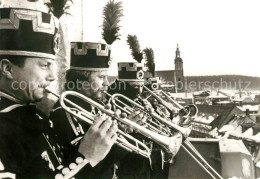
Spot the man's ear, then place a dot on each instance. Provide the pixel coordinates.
(6, 68)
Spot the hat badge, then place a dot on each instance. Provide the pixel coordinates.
(109, 62)
(155, 86)
(140, 74)
(56, 42)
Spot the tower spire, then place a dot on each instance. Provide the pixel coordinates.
(178, 72)
(177, 52)
(178, 61)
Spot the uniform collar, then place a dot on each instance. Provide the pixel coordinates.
(9, 102)
(10, 97)
(21, 114)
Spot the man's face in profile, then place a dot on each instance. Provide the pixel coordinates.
(30, 80)
(97, 84)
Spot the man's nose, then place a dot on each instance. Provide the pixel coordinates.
(51, 76)
(106, 82)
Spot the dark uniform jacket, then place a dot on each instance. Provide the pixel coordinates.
(132, 165)
(71, 130)
(28, 145)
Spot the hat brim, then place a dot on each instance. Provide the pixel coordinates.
(26, 53)
(88, 69)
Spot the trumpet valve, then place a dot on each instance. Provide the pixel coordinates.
(108, 106)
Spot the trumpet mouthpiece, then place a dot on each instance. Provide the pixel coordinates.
(49, 91)
(46, 90)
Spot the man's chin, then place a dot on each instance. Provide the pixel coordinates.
(37, 98)
(99, 98)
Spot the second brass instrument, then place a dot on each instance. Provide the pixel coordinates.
(186, 145)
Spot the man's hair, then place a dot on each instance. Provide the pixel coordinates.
(14, 59)
(73, 76)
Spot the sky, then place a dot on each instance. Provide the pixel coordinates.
(215, 37)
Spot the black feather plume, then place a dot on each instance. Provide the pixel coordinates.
(112, 13)
(150, 60)
(133, 43)
(57, 7)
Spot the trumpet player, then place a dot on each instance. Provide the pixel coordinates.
(29, 147)
(129, 83)
(87, 75)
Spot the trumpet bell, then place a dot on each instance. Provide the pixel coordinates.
(184, 112)
(193, 110)
(185, 120)
(174, 144)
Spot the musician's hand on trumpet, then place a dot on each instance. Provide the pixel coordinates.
(122, 126)
(147, 105)
(136, 116)
(99, 139)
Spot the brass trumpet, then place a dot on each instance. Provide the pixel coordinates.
(88, 117)
(115, 98)
(190, 110)
(165, 142)
(186, 113)
(186, 145)
(155, 126)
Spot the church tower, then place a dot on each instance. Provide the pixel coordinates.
(178, 71)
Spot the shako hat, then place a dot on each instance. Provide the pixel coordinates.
(130, 71)
(26, 29)
(90, 56)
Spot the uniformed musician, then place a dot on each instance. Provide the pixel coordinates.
(87, 75)
(28, 143)
(130, 83)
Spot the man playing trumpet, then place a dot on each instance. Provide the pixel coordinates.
(29, 147)
(130, 83)
(88, 76)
